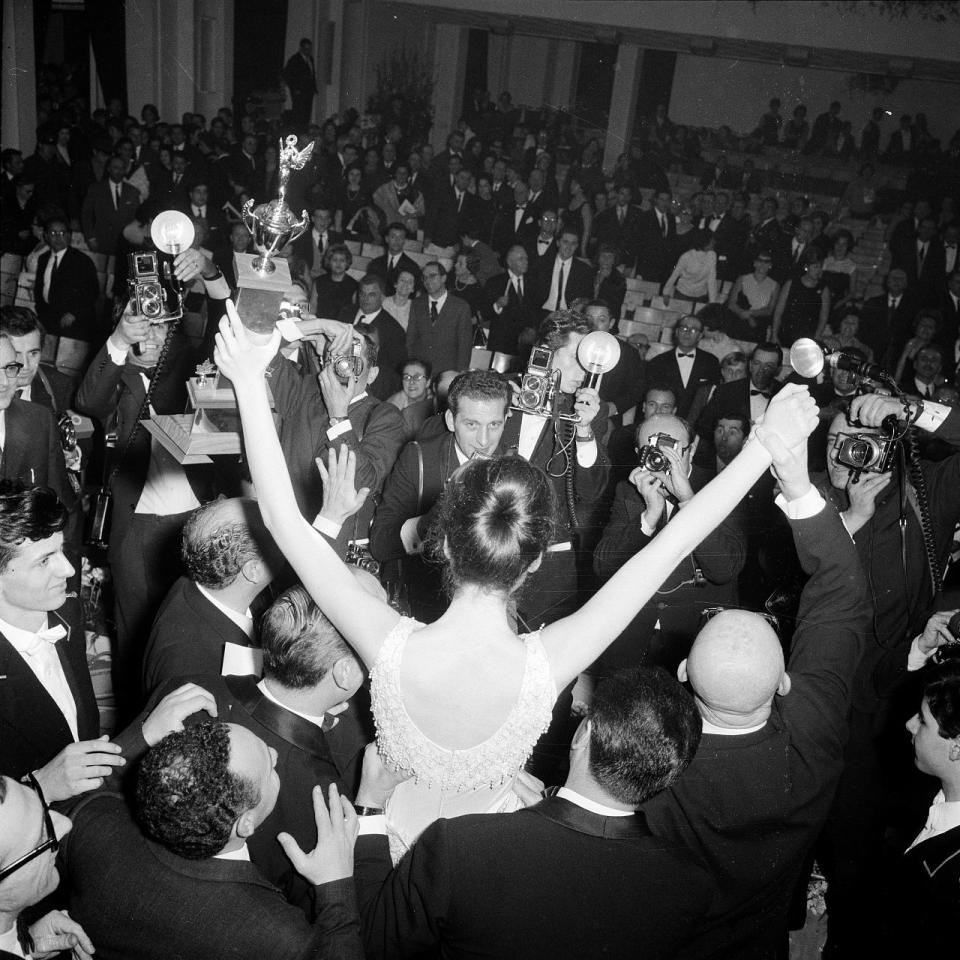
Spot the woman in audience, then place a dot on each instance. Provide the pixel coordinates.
(335, 289)
(925, 328)
(353, 204)
(861, 193)
(459, 703)
(463, 282)
(734, 366)
(847, 328)
(398, 306)
(695, 275)
(578, 216)
(839, 272)
(415, 400)
(804, 304)
(752, 300)
(609, 284)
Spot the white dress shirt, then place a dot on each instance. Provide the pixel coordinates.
(685, 363)
(941, 817)
(556, 298)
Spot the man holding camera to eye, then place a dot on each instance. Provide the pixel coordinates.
(152, 493)
(663, 482)
(882, 511)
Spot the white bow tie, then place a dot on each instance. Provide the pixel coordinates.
(49, 634)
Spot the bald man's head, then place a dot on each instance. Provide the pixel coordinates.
(735, 667)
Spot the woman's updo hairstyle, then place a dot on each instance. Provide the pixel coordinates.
(495, 519)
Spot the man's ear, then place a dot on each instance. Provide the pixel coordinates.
(581, 739)
(372, 375)
(448, 420)
(784, 686)
(682, 671)
(246, 824)
(347, 674)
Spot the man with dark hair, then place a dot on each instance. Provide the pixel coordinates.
(389, 265)
(478, 405)
(622, 387)
(204, 626)
(511, 308)
(482, 884)
(108, 207)
(300, 76)
(402, 203)
(655, 252)
(38, 382)
(620, 225)
(440, 329)
(562, 279)
(886, 319)
(687, 369)
(389, 335)
(187, 888)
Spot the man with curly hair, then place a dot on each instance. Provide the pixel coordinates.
(204, 626)
(180, 882)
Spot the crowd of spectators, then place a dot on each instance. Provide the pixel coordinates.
(346, 663)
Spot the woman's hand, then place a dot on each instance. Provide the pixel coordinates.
(238, 355)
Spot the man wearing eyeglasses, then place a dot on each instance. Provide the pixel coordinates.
(685, 369)
(67, 287)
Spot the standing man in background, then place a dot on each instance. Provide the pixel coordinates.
(300, 76)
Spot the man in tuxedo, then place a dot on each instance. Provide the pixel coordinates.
(544, 248)
(730, 236)
(67, 288)
(789, 252)
(399, 192)
(389, 265)
(107, 208)
(440, 167)
(312, 245)
(765, 236)
(515, 223)
(308, 669)
(923, 260)
(440, 330)
(478, 405)
(204, 625)
(564, 279)
(513, 871)
(759, 788)
(887, 319)
(452, 209)
(927, 366)
(685, 369)
(169, 872)
(388, 334)
(949, 335)
(951, 246)
(152, 493)
(656, 245)
(511, 307)
(620, 226)
(747, 399)
(300, 76)
(663, 630)
(201, 208)
(38, 382)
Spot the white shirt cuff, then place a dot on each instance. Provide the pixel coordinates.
(917, 659)
(587, 453)
(118, 355)
(373, 825)
(217, 289)
(809, 505)
(327, 527)
(647, 531)
(339, 429)
(933, 415)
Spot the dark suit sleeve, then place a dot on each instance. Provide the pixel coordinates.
(623, 536)
(87, 291)
(722, 553)
(290, 388)
(464, 336)
(377, 450)
(414, 331)
(99, 392)
(403, 910)
(833, 619)
(399, 504)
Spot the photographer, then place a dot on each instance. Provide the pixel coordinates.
(664, 482)
(152, 493)
(882, 512)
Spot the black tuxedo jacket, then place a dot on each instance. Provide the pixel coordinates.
(104, 222)
(379, 266)
(506, 231)
(298, 75)
(656, 254)
(578, 282)
(306, 757)
(73, 289)
(664, 371)
(137, 899)
(62, 392)
(551, 881)
(519, 315)
(926, 275)
(187, 637)
(624, 236)
(730, 242)
(393, 351)
(886, 331)
(32, 728)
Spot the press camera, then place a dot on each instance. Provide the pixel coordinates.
(651, 456)
(155, 292)
(346, 366)
(539, 387)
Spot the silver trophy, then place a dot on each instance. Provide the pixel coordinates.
(274, 225)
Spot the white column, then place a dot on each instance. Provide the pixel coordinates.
(623, 102)
(449, 69)
(331, 69)
(214, 56)
(19, 124)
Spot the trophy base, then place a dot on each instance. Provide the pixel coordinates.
(260, 294)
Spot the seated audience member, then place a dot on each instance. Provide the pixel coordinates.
(152, 493)
(695, 275)
(925, 329)
(512, 870)
(66, 290)
(204, 626)
(49, 721)
(478, 405)
(622, 387)
(398, 306)
(661, 633)
(464, 283)
(760, 784)
(562, 278)
(620, 226)
(38, 382)
(335, 289)
(308, 672)
(927, 366)
(511, 311)
(687, 368)
(320, 412)
(175, 878)
(846, 336)
(488, 264)
(896, 564)
(389, 335)
(441, 328)
(415, 401)
(928, 880)
(886, 319)
(389, 265)
(609, 284)
(313, 246)
(715, 340)
(401, 202)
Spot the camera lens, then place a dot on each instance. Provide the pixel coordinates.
(860, 452)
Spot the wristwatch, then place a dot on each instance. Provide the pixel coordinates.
(335, 420)
(216, 276)
(369, 811)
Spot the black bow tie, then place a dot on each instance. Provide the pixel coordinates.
(679, 354)
(759, 393)
(520, 206)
